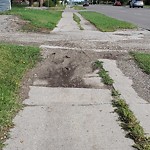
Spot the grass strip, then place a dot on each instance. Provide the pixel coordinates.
(128, 120)
(14, 62)
(38, 20)
(78, 7)
(102, 73)
(143, 61)
(59, 7)
(146, 6)
(105, 23)
(77, 19)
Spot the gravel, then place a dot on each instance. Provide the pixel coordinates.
(9, 23)
(141, 81)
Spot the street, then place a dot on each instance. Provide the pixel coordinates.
(137, 16)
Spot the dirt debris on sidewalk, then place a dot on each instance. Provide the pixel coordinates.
(67, 68)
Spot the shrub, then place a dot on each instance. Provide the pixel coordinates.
(49, 3)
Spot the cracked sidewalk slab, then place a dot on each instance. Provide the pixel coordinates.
(66, 23)
(86, 24)
(123, 84)
(67, 119)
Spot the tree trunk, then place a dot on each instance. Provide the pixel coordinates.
(41, 3)
(30, 2)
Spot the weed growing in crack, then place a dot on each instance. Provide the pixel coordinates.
(130, 124)
(115, 93)
(98, 64)
(102, 73)
(128, 120)
(105, 77)
(78, 20)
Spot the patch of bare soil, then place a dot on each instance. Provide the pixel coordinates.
(63, 68)
(66, 68)
(10, 23)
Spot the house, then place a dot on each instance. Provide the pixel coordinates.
(5, 5)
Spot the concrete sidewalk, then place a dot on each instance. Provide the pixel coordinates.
(69, 118)
(123, 84)
(67, 23)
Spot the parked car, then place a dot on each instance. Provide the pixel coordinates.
(136, 3)
(117, 3)
(85, 4)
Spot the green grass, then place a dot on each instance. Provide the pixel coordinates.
(143, 61)
(105, 23)
(39, 20)
(146, 6)
(78, 7)
(102, 73)
(59, 7)
(77, 19)
(14, 62)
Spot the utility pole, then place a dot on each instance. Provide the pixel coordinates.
(70, 2)
(9, 4)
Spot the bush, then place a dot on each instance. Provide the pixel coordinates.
(49, 3)
(147, 2)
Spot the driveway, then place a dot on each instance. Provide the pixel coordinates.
(136, 16)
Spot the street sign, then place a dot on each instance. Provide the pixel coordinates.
(5, 5)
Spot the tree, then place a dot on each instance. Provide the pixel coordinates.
(41, 3)
(31, 2)
(147, 2)
(94, 1)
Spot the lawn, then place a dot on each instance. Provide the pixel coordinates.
(105, 23)
(77, 7)
(146, 6)
(39, 20)
(59, 7)
(143, 61)
(14, 63)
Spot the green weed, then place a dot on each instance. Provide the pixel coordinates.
(115, 93)
(128, 120)
(105, 77)
(102, 73)
(131, 125)
(77, 19)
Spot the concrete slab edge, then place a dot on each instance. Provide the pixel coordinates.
(123, 84)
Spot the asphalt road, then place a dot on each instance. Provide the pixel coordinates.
(137, 16)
